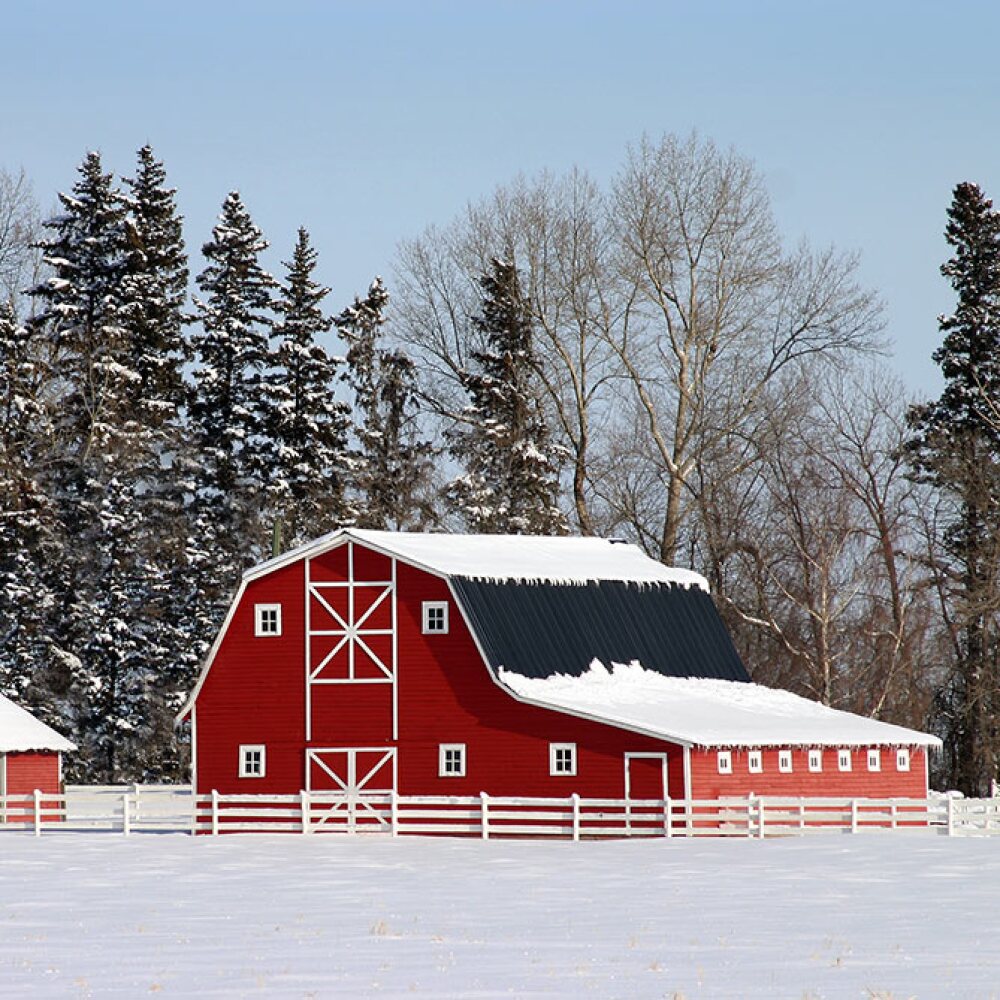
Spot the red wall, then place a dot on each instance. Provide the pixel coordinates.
(254, 694)
(859, 782)
(28, 771)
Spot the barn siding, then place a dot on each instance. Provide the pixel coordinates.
(28, 771)
(859, 782)
(254, 693)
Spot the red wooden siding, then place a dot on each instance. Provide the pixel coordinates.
(28, 771)
(859, 782)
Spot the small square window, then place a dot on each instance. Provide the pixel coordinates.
(844, 760)
(253, 760)
(435, 617)
(562, 758)
(874, 760)
(451, 760)
(755, 762)
(902, 759)
(267, 619)
(785, 761)
(725, 762)
(815, 761)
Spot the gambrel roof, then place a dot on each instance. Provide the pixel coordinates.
(21, 732)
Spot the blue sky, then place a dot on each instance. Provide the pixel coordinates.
(367, 121)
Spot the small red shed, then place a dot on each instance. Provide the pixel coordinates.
(30, 753)
(437, 664)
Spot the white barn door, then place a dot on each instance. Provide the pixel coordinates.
(350, 787)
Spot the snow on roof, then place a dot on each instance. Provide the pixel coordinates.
(705, 712)
(564, 560)
(20, 731)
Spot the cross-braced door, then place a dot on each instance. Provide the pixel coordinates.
(351, 787)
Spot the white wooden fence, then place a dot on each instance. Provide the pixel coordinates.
(171, 808)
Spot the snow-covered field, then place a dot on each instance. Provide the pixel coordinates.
(833, 916)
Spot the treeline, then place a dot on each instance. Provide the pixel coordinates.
(644, 358)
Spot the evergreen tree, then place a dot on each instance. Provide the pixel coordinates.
(393, 470)
(511, 479)
(155, 292)
(306, 424)
(229, 475)
(26, 521)
(956, 447)
(96, 668)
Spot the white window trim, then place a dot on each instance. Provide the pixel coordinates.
(785, 761)
(426, 608)
(562, 773)
(755, 762)
(874, 760)
(844, 760)
(724, 761)
(443, 748)
(902, 759)
(259, 611)
(248, 748)
(816, 761)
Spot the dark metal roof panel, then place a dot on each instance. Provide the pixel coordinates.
(541, 629)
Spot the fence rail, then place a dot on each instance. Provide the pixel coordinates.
(171, 808)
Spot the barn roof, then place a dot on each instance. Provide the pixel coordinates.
(705, 712)
(20, 731)
(538, 629)
(512, 558)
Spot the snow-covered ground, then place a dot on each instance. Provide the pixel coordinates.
(834, 916)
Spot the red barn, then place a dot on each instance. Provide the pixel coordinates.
(444, 664)
(30, 753)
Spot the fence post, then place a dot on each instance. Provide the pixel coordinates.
(854, 815)
(215, 812)
(760, 818)
(306, 818)
(802, 815)
(894, 817)
(750, 815)
(126, 820)
(38, 812)
(575, 799)
(394, 813)
(668, 819)
(951, 816)
(484, 806)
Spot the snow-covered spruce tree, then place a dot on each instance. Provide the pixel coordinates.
(956, 448)
(96, 668)
(304, 422)
(229, 475)
(511, 479)
(27, 529)
(393, 473)
(155, 293)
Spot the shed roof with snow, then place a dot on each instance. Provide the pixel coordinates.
(21, 732)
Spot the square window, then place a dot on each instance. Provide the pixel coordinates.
(435, 615)
(562, 758)
(725, 762)
(785, 761)
(253, 760)
(902, 759)
(451, 760)
(267, 619)
(844, 760)
(874, 760)
(755, 762)
(815, 761)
